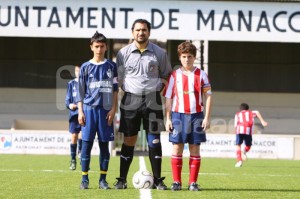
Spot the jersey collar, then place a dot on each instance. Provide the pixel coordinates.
(148, 48)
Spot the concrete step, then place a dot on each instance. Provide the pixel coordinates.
(281, 110)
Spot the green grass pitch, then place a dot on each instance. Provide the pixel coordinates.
(48, 176)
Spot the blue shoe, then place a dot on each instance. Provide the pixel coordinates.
(84, 185)
(103, 185)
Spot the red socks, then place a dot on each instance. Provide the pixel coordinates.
(247, 148)
(176, 162)
(194, 164)
(239, 155)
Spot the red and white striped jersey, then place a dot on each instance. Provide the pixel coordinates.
(244, 122)
(186, 90)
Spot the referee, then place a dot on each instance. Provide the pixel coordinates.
(142, 68)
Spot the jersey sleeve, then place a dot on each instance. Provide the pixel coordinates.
(68, 99)
(81, 85)
(205, 83)
(169, 90)
(235, 120)
(120, 68)
(254, 113)
(115, 78)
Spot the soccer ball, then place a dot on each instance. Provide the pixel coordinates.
(142, 180)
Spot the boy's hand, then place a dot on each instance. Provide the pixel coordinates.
(110, 117)
(205, 124)
(169, 125)
(73, 106)
(264, 123)
(81, 118)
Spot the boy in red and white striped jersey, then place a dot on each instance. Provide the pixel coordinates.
(185, 119)
(243, 123)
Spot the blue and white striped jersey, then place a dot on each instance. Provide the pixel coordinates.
(97, 82)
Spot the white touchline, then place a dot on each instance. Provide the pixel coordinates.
(142, 163)
(211, 174)
(144, 193)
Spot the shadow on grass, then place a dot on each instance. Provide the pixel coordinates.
(255, 190)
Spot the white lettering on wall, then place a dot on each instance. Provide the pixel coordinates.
(235, 21)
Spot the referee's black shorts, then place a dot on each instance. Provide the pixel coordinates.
(141, 108)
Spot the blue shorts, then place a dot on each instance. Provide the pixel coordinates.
(187, 128)
(240, 138)
(74, 126)
(96, 122)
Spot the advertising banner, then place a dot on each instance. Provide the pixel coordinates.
(217, 145)
(223, 146)
(38, 142)
(180, 20)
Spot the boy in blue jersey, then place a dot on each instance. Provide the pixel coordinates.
(74, 126)
(97, 104)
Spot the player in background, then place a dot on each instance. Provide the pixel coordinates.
(187, 89)
(142, 65)
(243, 123)
(97, 105)
(74, 126)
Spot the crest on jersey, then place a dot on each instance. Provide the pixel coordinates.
(109, 73)
(174, 133)
(151, 68)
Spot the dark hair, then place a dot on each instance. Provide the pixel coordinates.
(141, 21)
(186, 47)
(244, 106)
(98, 37)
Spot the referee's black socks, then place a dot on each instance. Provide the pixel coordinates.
(125, 159)
(155, 156)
